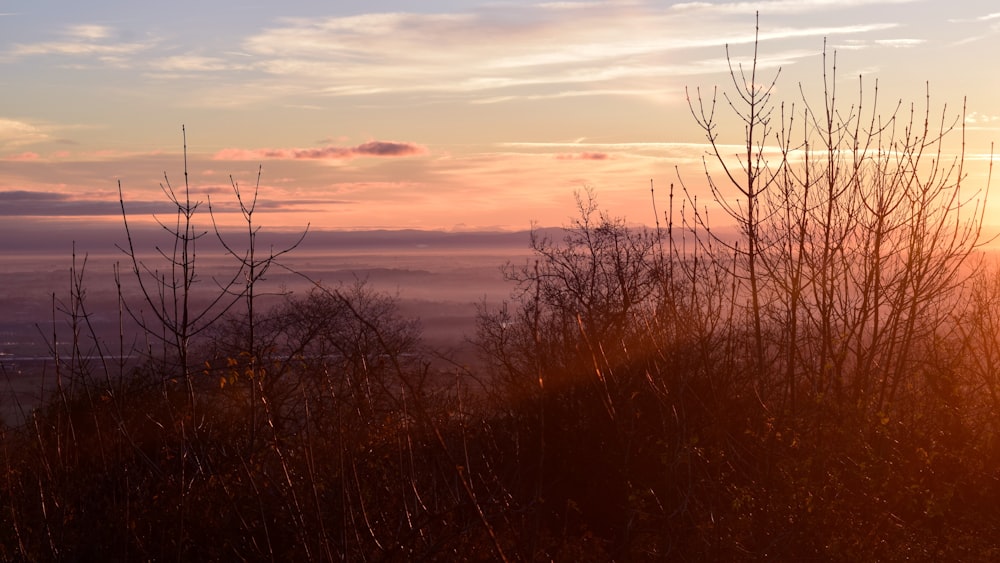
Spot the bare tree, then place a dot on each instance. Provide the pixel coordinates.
(855, 231)
(253, 267)
(167, 294)
(583, 296)
(751, 177)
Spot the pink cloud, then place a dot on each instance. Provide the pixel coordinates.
(584, 156)
(25, 156)
(371, 148)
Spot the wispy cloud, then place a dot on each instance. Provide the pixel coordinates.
(193, 63)
(371, 148)
(981, 121)
(21, 203)
(89, 32)
(14, 133)
(783, 6)
(24, 156)
(900, 43)
(27, 195)
(992, 16)
(584, 156)
(82, 40)
(486, 54)
(979, 118)
(31, 203)
(593, 146)
(491, 55)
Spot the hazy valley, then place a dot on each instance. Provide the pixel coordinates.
(438, 278)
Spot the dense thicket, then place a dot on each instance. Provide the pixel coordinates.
(820, 385)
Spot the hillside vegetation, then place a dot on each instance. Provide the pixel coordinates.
(821, 383)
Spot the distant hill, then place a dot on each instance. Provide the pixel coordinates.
(58, 237)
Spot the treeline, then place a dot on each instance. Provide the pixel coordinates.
(820, 385)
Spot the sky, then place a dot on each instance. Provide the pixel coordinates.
(439, 114)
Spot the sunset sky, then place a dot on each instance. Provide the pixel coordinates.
(435, 115)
